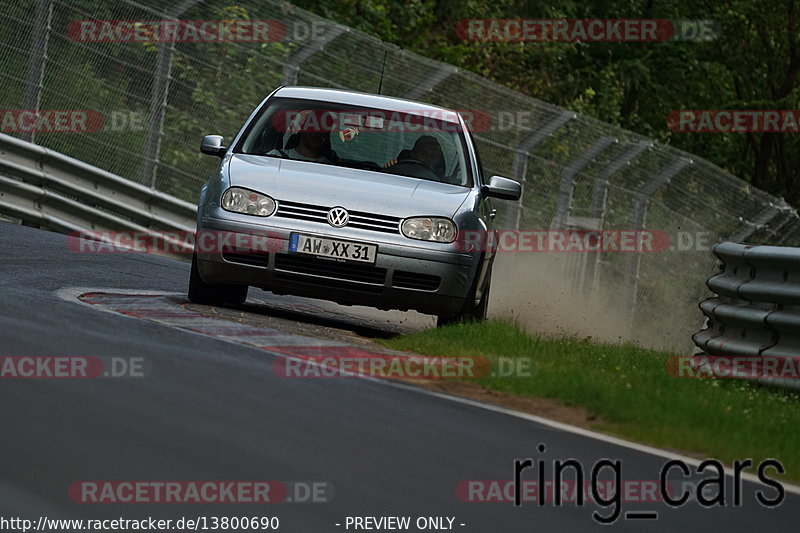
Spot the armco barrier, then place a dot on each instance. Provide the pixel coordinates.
(46, 189)
(756, 312)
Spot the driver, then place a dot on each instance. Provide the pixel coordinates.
(426, 150)
(310, 143)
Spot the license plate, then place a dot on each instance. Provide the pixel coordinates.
(333, 248)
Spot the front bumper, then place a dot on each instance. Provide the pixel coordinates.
(431, 278)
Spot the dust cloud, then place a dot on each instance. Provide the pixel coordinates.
(536, 292)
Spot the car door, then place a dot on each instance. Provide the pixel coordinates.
(486, 211)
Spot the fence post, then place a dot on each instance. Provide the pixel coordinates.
(640, 207)
(575, 264)
(37, 61)
(597, 207)
(567, 186)
(158, 101)
(519, 167)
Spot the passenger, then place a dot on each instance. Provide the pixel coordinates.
(308, 144)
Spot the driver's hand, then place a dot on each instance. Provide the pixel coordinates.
(390, 163)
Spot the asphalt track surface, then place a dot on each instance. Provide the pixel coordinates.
(212, 409)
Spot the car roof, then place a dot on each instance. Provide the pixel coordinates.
(375, 101)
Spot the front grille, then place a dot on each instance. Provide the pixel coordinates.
(413, 280)
(313, 266)
(259, 259)
(358, 219)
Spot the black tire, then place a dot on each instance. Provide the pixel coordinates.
(203, 293)
(471, 311)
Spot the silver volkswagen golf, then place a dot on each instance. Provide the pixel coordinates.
(360, 199)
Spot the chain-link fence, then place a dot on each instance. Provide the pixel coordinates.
(138, 107)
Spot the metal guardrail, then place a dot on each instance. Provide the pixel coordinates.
(756, 312)
(46, 189)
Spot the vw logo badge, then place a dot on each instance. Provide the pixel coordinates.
(338, 217)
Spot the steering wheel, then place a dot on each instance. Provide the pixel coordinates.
(425, 167)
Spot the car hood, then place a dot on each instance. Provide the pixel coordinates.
(353, 189)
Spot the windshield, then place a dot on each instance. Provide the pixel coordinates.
(414, 143)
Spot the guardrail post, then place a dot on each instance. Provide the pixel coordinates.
(36, 62)
(640, 219)
(158, 101)
(519, 167)
(301, 55)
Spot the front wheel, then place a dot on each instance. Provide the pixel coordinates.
(470, 311)
(204, 293)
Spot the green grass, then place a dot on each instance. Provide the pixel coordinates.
(629, 389)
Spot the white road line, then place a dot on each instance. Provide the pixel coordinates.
(72, 294)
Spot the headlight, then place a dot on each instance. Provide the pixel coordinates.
(429, 229)
(238, 200)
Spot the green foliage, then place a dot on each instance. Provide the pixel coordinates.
(753, 65)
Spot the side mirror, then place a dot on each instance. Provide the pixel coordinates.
(212, 145)
(503, 188)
